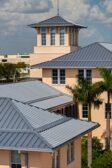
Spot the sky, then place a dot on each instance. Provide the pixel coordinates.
(15, 15)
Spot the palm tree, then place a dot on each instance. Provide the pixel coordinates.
(106, 85)
(87, 93)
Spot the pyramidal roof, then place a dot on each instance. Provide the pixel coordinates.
(55, 21)
(28, 128)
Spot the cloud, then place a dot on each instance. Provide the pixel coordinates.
(96, 13)
(16, 14)
(25, 6)
(88, 33)
(108, 5)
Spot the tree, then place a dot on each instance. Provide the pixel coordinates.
(104, 160)
(8, 71)
(1, 70)
(87, 93)
(18, 67)
(106, 85)
(97, 150)
(11, 71)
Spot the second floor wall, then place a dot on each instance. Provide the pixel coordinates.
(59, 78)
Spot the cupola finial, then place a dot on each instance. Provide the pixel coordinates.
(58, 11)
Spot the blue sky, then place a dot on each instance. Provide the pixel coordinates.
(15, 15)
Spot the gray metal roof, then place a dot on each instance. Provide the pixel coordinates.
(40, 129)
(22, 140)
(37, 117)
(55, 21)
(108, 46)
(64, 99)
(63, 132)
(92, 56)
(10, 113)
(35, 92)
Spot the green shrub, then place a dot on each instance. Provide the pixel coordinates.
(103, 161)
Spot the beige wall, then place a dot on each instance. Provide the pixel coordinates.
(98, 115)
(48, 52)
(71, 79)
(4, 159)
(14, 59)
(44, 160)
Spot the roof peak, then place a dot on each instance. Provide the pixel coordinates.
(56, 20)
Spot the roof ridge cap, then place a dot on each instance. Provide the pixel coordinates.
(21, 114)
(43, 139)
(53, 124)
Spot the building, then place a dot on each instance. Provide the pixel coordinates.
(33, 137)
(55, 37)
(14, 59)
(84, 62)
(41, 95)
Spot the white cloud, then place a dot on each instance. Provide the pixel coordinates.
(25, 6)
(15, 13)
(108, 5)
(96, 14)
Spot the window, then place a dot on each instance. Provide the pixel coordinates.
(85, 73)
(70, 152)
(15, 160)
(110, 110)
(85, 111)
(72, 36)
(58, 76)
(62, 36)
(53, 31)
(4, 60)
(56, 160)
(43, 36)
(111, 143)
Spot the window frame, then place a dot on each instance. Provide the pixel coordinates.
(60, 78)
(85, 109)
(52, 36)
(16, 164)
(70, 152)
(111, 143)
(109, 112)
(43, 36)
(62, 36)
(85, 74)
(56, 159)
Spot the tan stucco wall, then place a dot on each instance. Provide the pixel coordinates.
(4, 159)
(40, 160)
(98, 115)
(48, 52)
(77, 158)
(71, 79)
(44, 160)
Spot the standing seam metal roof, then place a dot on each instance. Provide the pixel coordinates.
(93, 56)
(35, 92)
(36, 129)
(55, 21)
